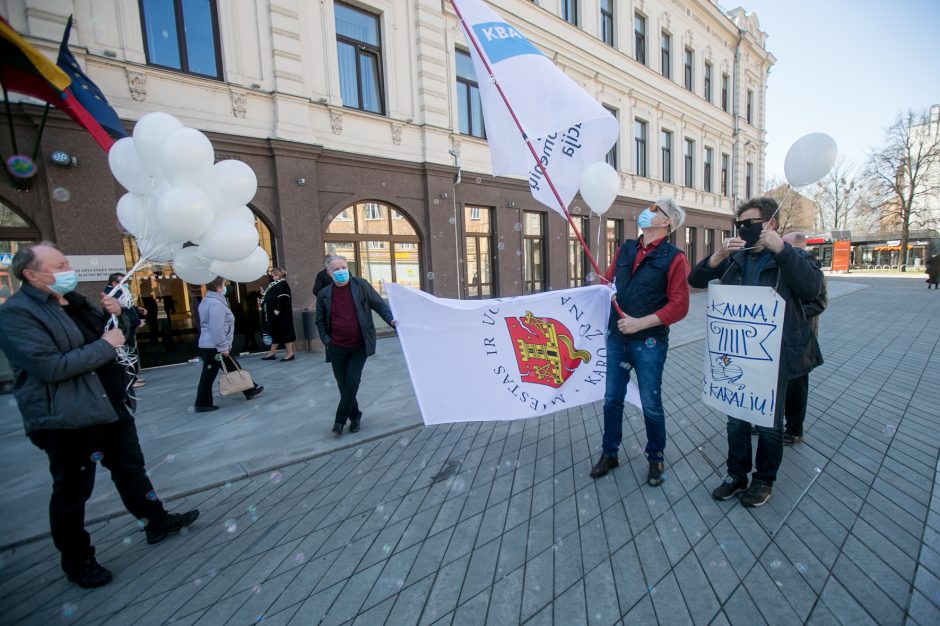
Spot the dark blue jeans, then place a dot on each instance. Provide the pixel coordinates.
(769, 444)
(646, 357)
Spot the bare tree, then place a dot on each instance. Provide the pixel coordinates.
(904, 174)
(838, 196)
(792, 214)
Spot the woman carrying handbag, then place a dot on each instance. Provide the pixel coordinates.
(216, 330)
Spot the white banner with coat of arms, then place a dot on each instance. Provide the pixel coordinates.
(503, 359)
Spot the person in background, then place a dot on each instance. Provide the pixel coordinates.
(344, 321)
(276, 306)
(933, 271)
(759, 257)
(133, 315)
(216, 331)
(323, 277)
(794, 409)
(650, 277)
(72, 395)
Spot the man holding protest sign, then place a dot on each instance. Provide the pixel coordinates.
(650, 275)
(759, 257)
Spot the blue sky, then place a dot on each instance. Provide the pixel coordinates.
(845, 68)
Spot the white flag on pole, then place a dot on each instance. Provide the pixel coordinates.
(567, 127)
(503, 359)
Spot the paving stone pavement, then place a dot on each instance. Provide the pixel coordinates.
(500, 523)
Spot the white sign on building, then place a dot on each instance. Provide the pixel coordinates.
(91, 267)
(742, 352)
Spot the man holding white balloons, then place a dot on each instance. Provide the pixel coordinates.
(650, 276)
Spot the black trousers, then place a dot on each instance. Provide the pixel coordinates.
(73, 457)
(795, 405)
(347, 369)
(769, 444)
(210, 369)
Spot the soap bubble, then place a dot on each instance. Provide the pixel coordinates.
(61, 194)
(231, 526)
(430, 275)
(517, 227)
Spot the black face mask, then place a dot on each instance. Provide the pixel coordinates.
(750, 234)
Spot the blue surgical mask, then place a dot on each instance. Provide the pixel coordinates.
(645, 220)
(224, 290)
(341, 276)
(65, 282)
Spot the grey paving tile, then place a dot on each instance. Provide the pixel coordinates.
(922, 610)
(410, 602)
(697, 594)
(506, 599)
(446, 590)
(538, 587)
(740, 609)
(664, 596)
(842, 605)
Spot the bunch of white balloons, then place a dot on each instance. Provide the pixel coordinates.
(177, 194)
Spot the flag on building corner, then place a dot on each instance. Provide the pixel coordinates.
(507, 358)
(87, 93)
(26, 70)
(569, 129)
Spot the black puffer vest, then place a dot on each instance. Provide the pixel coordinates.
(644, 291)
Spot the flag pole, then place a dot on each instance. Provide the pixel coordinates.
(538, 162)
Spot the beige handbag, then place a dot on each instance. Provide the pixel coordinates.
(234, 381)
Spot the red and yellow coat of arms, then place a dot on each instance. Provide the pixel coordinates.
(544, 350)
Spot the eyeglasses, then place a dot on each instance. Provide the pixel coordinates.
(653, 208)
(748, 222)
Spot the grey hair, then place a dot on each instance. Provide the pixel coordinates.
(335, 257)
(673, 211)
(25, 258)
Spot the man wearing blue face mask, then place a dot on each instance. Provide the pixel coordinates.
(344, 322)
(650, 277)
(759, 257)
(72, 395)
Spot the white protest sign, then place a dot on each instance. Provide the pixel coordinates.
(742, 351)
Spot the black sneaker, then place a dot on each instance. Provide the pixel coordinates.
(172, 523)
(337, 429)
(654, 478)
(251, 393)
(729, 487)
(604, 465)
(88, 574)
(354, 425)
(757, 494)
(791, 440)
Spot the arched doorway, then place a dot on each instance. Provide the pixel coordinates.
(15, 230)
(171, 332)
(379, 242)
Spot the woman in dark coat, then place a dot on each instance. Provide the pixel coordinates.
(933, 271)
(278, 315)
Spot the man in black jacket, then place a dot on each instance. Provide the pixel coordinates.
(794, 409)
(759, 257)
(344, 321)
(72, 395)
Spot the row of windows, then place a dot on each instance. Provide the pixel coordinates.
(640, 131)
(184, 35)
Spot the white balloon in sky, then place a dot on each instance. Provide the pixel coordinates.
(810, 158)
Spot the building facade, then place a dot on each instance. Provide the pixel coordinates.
(361, 120)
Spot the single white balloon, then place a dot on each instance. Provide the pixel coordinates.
(810, 158)
(186, 156)
(244, 270)
(599, 186)
(128, 168)
(230, 184)
(229, 240)
(150, 132)
(190, 266)
(136, 216)
(241, 214)
(184, 213)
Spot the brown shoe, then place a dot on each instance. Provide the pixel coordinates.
(654, 478)
(604, 465)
